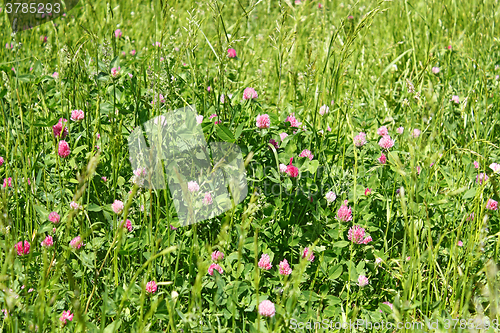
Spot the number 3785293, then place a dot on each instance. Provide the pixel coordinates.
(32, 8)
(471, 323)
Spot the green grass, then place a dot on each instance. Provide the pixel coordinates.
(361, 60)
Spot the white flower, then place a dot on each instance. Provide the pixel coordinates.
(139, 176)
(324, 110)
(193, 186)
(330, 196)
(495, 167)
(74, 205)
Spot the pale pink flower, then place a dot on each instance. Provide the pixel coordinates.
(66, 315)
(1, 160)
(388, 304)
(360, 139)
(139, 176)
(214, 115)
(217, 256)
(265, 262)
(362, 281)
(55, 75)
(76, 242)
(367, 240)
(7, 182)
(308, 254)
(455, 99)
(386, 142)
(63, 149)
(328, 128)
(283, 168)
(285, 268)
(435, 70)
(460, 243)
(199, 119)
(161, 99)
(77, 115)
(207, 200)
(293, 121)
(193, 186)
(216, 267)
(495, 167)
(249, 93)
(330, 196)
(266, 308)
(58, 128)
(209, 89)
(157, 44)
(104, 179)
(382, 159)
(231, 53)
(324, 109)
(23, 248)
(383, 131)
(282, 136)
(117, 207)
(307, 153)
(481, 177)
(400, 130)
(115, 71)
(378, 260)
(48, 241)
(476, 164)
(74, 205)
(132, 52)
(54, 217)
(320, 6)
(416, 133)
(344, 213)
(492, 204)
(419, 169)
(151, 287)
(118, 33)
(263, 121)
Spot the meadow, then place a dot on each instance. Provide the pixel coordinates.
(369, 133)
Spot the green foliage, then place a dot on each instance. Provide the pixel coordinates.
(434, 243)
